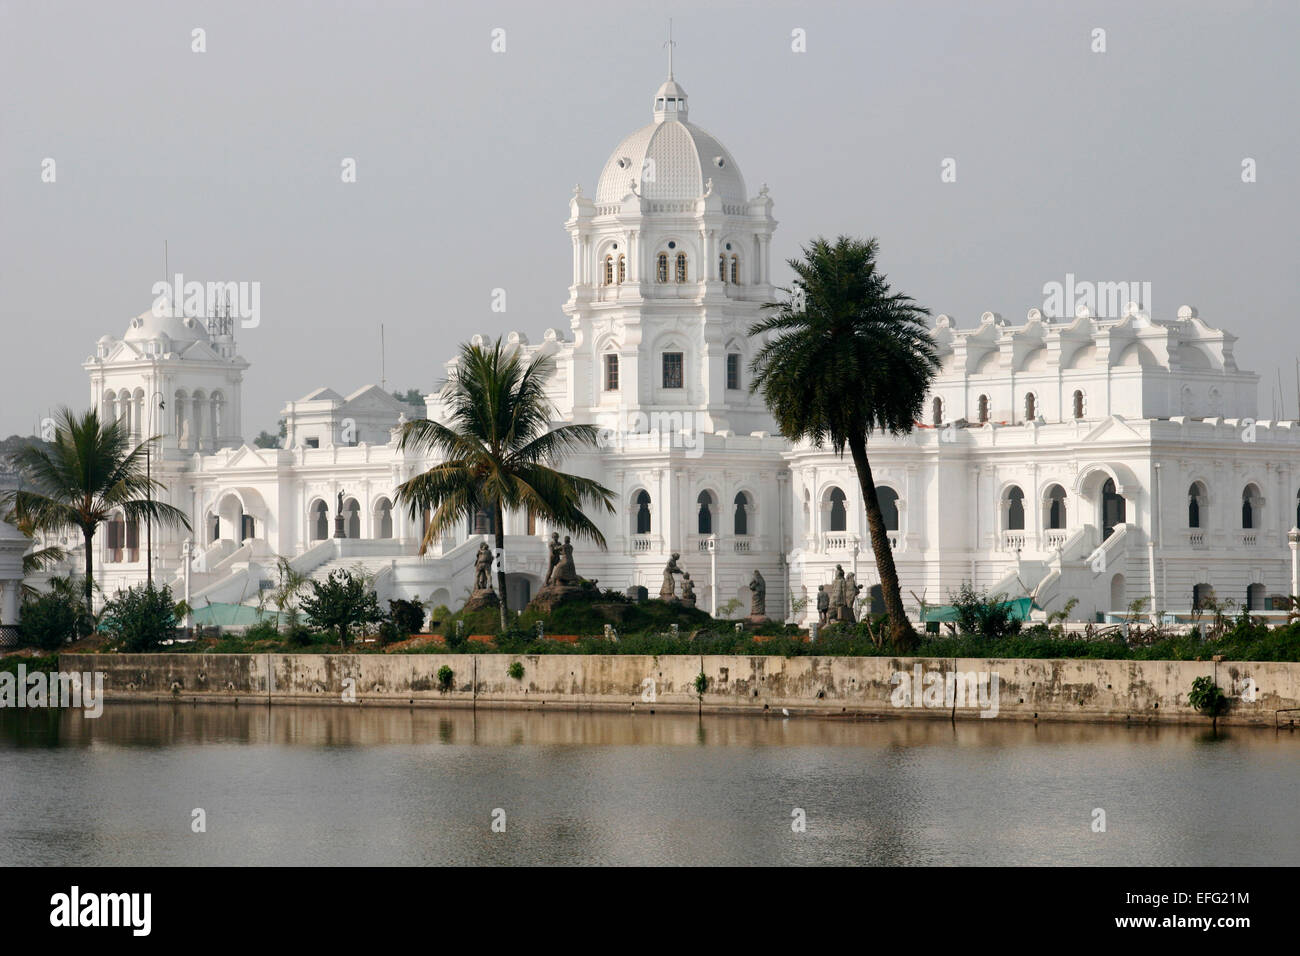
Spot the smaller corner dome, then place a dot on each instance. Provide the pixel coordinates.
(180, 329)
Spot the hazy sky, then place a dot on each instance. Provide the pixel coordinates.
(1117, 166)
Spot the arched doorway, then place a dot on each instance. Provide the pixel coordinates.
(318, 520)
(1055, 508)
(839, 513)
(351, 518)
(1256, 598)
(1112, 509)
(1118, 593)
(383, 519)
(704, 523)
(888, 500)
(641, 513)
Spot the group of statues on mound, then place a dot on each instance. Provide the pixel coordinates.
(560, 571)
(837, 604)
(668, 591)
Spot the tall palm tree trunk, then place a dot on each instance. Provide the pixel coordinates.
(501, 571)
(901, 634)
(89, 535)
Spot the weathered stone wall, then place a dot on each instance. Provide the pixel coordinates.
(833, 686)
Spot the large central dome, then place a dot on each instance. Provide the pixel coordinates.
(670, 158)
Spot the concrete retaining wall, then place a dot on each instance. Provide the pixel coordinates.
(833, 686)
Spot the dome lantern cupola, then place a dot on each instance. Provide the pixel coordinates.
(670, 102)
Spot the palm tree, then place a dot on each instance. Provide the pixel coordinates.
(80, 479)
(498, 450)
(844, 356)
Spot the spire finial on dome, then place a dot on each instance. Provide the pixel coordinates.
(670, 44)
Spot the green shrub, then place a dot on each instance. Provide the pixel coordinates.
(982, 614)
(1207, 697)
(341, 603)
(445, 677)
(299, 635)
(701, 683)
(141, 618)
(50, 620)
(407, 616)
(516, 670)
(263, 630)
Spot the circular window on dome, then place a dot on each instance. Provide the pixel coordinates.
(624, 162)
(672, 245)
(616, 246)
(728, 247)
(719, 161)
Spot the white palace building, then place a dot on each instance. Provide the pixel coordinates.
(1100, 459)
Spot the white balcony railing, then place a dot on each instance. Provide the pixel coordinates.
(838, 541)
(1013, 541)
(642, 543)
(1055, 538)
(1196, 540)
(1249, 539)
(741, 545)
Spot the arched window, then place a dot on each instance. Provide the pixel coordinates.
(622, 269)
(742, 514)
(609, 270)
(1056, 508)
(936, 411)
(320, 525)
(1031, 407)
(383, 518)
(643, 512)
(247, 527)
(1297, 509)
(733, 370)
(1015, 509)
(839, 513)
(1078, 403)
(983, 406)
(705, 521)
(661, 267)
(1250, 507)
(611, 371)
(532, 522)
(1195, 499)
(735, 270)
(722, 268)
(681, 267)
(888, 499)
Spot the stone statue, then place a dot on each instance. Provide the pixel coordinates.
(839, 595)
(557, 551)
(688, 590)
(851, 589)
(483, 568)
(564, 573)
(823, 603)
(669, 589)
(340, 511)
(758, 601)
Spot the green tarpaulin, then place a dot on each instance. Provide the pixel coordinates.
(236, 615)
(947, 614)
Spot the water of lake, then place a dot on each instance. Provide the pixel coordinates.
(334, 785)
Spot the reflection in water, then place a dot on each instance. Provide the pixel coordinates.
(335, 785)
